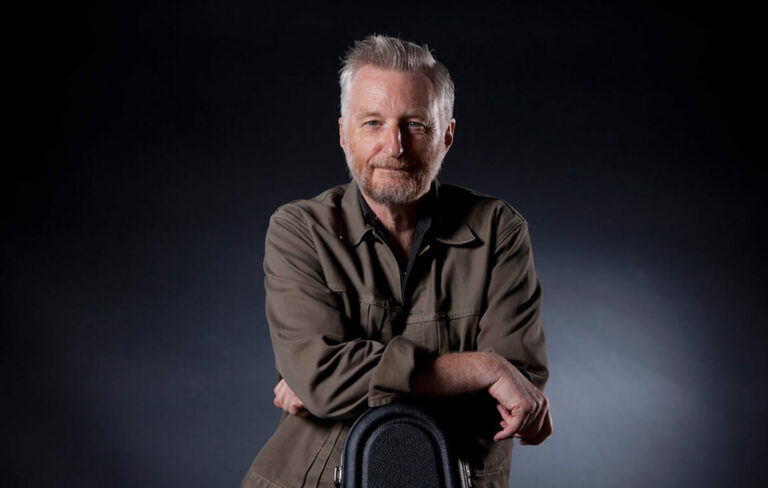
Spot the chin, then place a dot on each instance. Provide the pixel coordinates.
(405, 190)
(391, 187)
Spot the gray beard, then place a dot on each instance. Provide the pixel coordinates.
(409, 191)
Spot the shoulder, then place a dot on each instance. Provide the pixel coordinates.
(484, 214)
(321, 209)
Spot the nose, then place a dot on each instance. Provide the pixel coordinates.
(393, 142)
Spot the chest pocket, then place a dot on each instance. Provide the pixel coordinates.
(445, 331)
(441, 332)
(383, 320)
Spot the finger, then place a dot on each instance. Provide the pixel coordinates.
(514, 419)
(528, 427)
(544, 431)
(546, 428)
(290, 395)
(504, 426)
(297, 408)
(282, 398)
(541, 421)
(530, 410)
(502, 434)
(531, 435)
(511, 421)
(543, 427)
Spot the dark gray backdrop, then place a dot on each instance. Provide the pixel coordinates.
(155, 138)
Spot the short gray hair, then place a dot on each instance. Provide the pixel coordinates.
(395, 54)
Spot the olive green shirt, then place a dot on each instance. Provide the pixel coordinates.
(344, 340)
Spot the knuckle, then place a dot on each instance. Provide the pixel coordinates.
(529, 406)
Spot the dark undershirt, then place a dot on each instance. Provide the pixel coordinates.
(423, 226)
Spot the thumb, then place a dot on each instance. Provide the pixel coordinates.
(511, 424)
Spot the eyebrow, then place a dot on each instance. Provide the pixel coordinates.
(410, 115)
(365, 115)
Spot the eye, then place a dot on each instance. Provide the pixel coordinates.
(372, 123)
(416, 126)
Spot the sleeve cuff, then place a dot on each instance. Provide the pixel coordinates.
(392, 376)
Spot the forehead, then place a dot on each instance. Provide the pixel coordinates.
(376, 89)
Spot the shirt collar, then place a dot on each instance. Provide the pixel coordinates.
(426, 210)
(448, 224)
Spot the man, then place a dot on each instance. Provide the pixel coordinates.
(396, 285)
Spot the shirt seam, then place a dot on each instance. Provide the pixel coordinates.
(412, 317)
(258, 477)
(381, 400)
(436, 317)
(507, 233)
(481, 473)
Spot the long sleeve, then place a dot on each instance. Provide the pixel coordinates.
(511, 324)
(323, 357)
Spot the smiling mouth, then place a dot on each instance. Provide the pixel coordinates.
(391, 168)
(392, 172)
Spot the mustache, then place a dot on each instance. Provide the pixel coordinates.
(391, 163)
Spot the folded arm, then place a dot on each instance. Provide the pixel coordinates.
(510, 363)
(318, 351)
(524, 408)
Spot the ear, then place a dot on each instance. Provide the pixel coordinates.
(341, 132)
(448, 137)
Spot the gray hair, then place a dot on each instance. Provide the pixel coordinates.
(395, 54)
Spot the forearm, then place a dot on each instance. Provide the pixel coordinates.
(523, 408)
(457, 373)
(320, 351)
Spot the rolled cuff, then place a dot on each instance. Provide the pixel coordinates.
(392, 376)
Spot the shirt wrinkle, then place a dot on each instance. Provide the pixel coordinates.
(475, 289)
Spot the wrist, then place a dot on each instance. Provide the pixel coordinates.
(493, 367)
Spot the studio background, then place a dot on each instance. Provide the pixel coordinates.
(152, 140)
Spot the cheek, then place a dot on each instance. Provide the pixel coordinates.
(366, 141)
(423, 142)
(364, 150)
(424, 150)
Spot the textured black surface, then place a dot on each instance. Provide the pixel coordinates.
(398, 446)
(403, 455)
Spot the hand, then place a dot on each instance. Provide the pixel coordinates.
(523, 407)
(288, 401)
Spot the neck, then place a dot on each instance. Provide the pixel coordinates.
(399, 221)
(396, 218)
